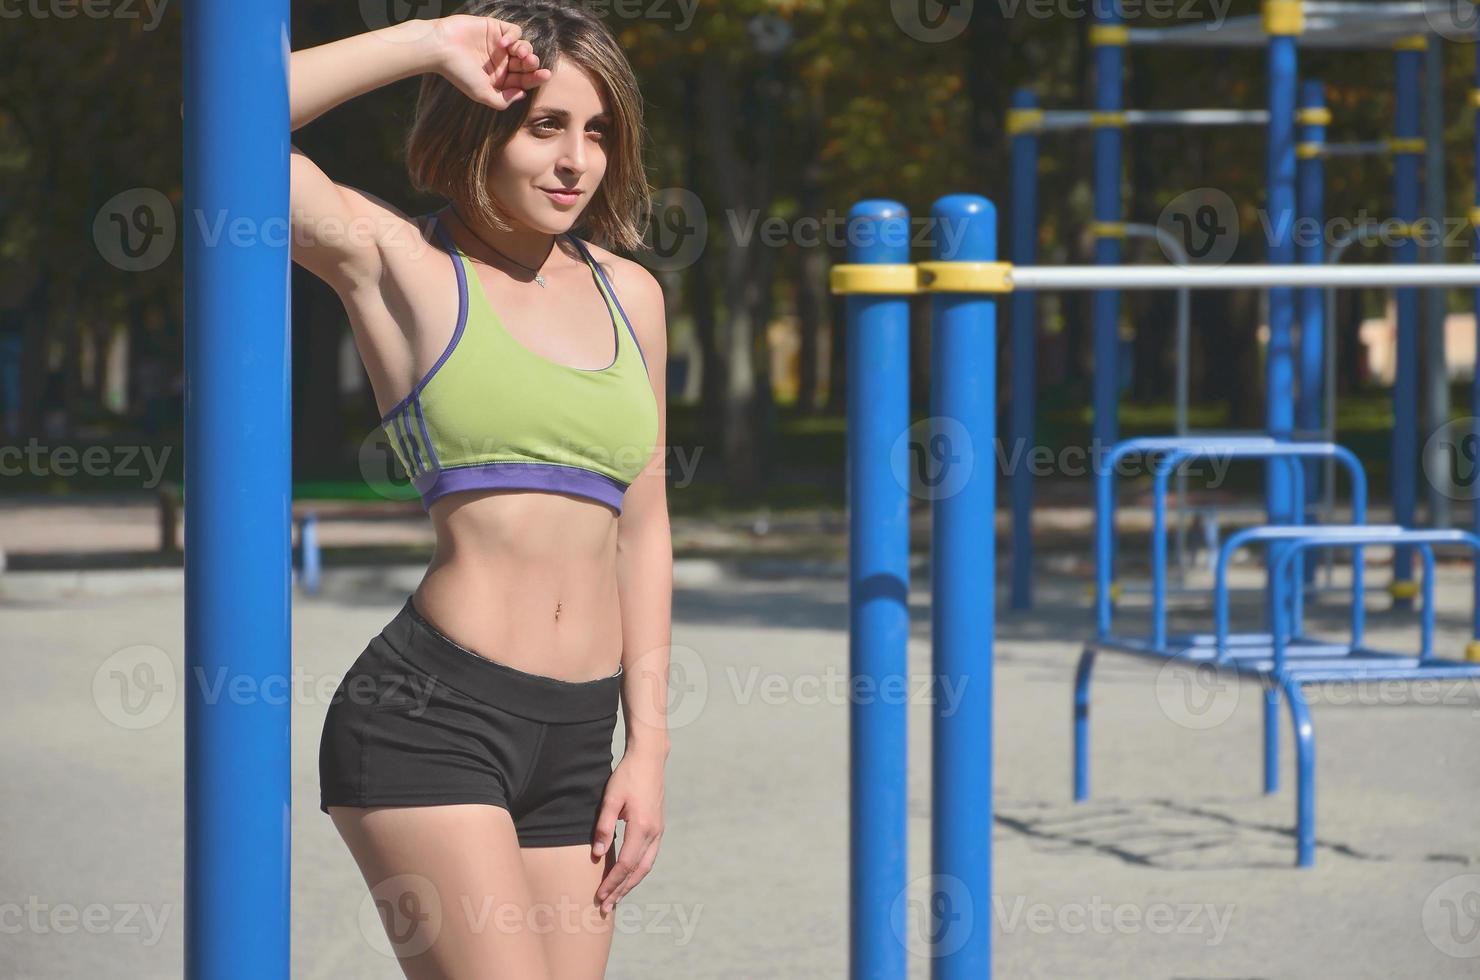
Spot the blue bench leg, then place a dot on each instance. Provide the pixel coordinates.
(1081, 724)
(1305, 769)
(1271, 738)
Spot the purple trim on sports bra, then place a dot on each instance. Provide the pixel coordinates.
(613, 293)
(518, 475)
(462, 322)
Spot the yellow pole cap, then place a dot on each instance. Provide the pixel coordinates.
(1284, 17)
(1403, 590)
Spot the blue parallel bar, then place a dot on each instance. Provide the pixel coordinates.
(878, 590)
(1404, 446)
(1295, 453)
(1105, 506)
(1109, 100)
(963, 565)
(1311, 250)
(1163, 472)
(1280, 389)
(1423, 540)
(238, 515)
(1024, 216)
(1334, 533)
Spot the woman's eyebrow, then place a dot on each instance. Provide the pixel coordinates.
(563, 115)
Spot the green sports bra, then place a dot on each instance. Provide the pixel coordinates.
(493, 414)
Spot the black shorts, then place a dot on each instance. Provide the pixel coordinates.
(420, 720)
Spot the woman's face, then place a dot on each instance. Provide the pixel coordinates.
(560, 147)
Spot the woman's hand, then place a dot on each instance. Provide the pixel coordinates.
(487, 59)
(635, 793)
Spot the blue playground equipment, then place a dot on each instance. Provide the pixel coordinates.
(1295, 119)
(238, 791)
(1282, 656)
(238, 561)
(877, 284)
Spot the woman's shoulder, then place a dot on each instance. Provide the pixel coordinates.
(627, 276)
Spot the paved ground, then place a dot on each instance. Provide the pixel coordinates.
(1179, 867)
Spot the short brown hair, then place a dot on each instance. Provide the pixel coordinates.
(453, 139)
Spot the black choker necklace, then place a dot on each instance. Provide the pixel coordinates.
(535, 271)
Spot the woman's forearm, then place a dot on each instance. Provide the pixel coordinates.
(645, 584)
(325, 76)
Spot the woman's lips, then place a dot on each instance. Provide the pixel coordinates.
(562, 197)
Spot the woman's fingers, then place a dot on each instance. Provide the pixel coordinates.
(639, 850)
(643, 867)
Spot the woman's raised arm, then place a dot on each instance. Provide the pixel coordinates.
(339, 232)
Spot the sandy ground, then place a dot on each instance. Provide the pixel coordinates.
(1178, 867)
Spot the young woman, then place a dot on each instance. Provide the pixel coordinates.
(466, 757)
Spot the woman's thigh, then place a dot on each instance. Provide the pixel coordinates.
(563, 883)
(450, 886)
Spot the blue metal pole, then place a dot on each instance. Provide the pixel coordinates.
(1313, 118)
(878, 592)
(1279, 368)
(1407, 151)
(1108, 37)
(1024, 340)
(963, 561)
(238, 491)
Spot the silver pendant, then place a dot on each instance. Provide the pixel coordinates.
(540, 279)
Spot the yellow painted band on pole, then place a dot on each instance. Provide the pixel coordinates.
(965, 277)
(1472, 651)
(1109, 35)
(1475, 217)
(1313, 116)
(1413, 145)
(1107, 119)
(1403, 590)
(1107, 229)
(1024, 121)
(877, 280)
(1309, 151)
(1413, 42)
(1284, 17)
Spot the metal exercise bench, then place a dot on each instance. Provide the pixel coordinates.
(1283, 658)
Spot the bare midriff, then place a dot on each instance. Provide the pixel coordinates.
(528, 580)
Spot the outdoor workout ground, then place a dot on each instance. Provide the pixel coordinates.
(1178, 867)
